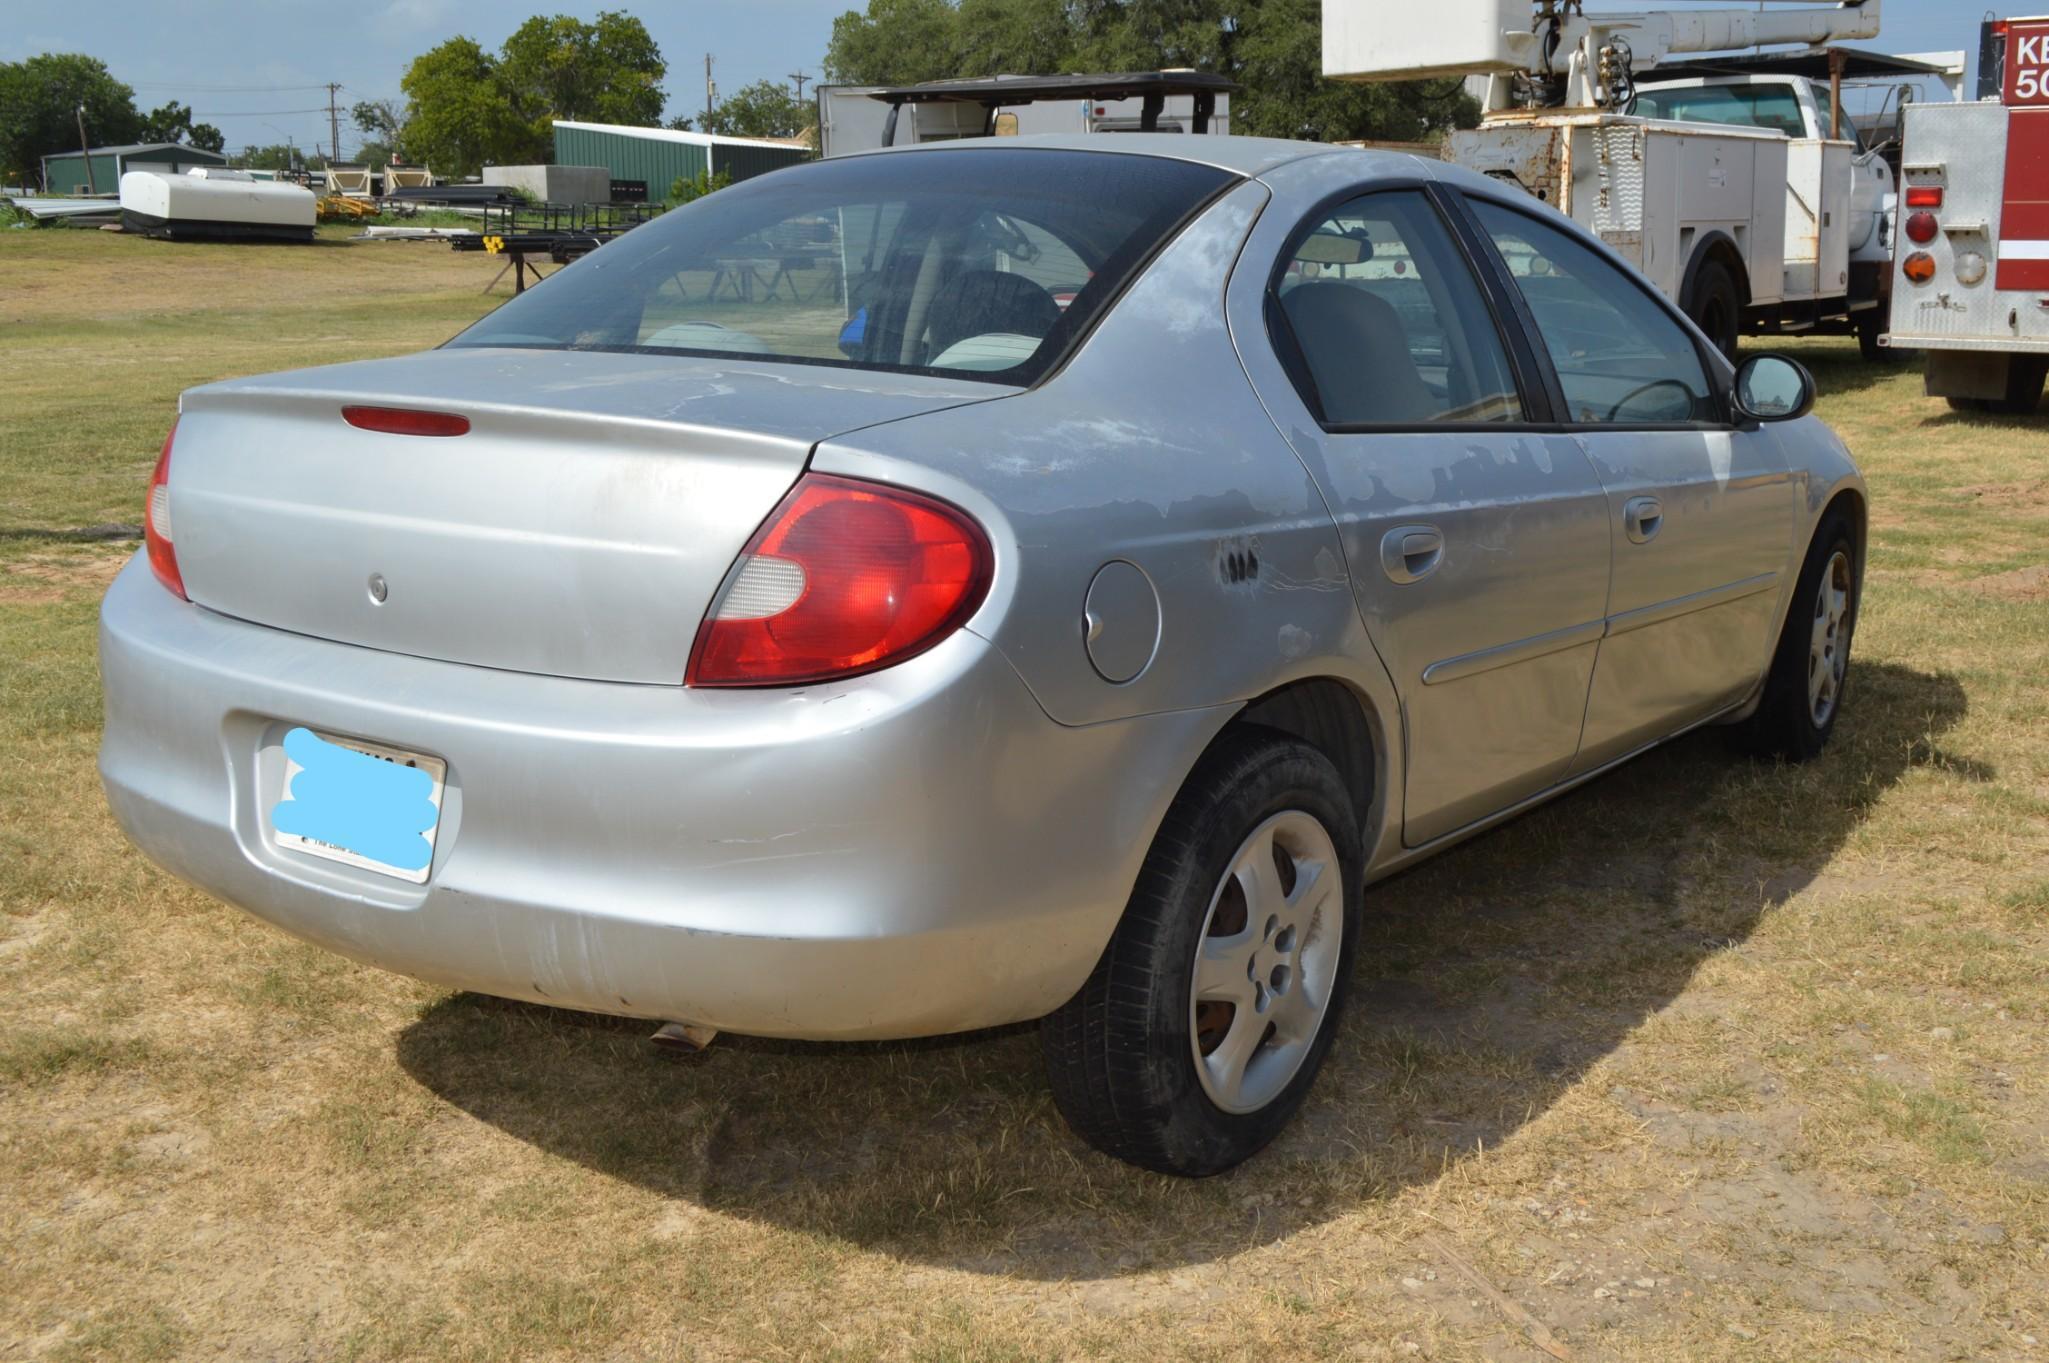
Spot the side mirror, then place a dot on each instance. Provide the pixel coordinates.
(1773, 388)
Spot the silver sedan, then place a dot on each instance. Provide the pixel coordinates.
(1030, 578)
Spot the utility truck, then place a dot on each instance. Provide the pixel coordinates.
(1972, 281)
(1737, 186)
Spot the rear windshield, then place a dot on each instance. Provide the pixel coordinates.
(977, 263)
(1772, 107)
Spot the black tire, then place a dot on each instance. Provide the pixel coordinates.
(1785, 724)
(1969, 405)
(1716, 307)
(2024, 376)
(1122, 1053)
(1870, 326)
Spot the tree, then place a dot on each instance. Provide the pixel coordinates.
(1279, 59)
(606, 71)
(172, 122)
(763, 109)
(470, 107)
(686, 189)
(462, 119)
(379, 120)
(1271, 47)
(1016, 37)
(897, 42)
(278, 156)
(39, 102)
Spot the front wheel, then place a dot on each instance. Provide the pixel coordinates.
(1803, 692)
(1204, 1022)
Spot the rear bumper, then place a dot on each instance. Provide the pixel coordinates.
(910, 853)
(2011, 345)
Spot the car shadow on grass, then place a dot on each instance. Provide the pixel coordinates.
(1489, 981)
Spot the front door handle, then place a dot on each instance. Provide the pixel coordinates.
(1409, 553)
(1642, 517)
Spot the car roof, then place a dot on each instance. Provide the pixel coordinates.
(1248, 156)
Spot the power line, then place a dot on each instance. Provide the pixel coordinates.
(261, 113)
(221, 89)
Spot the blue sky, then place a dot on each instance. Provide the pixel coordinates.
(255, 68)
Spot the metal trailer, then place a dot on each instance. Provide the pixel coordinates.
(1971, 282)
(865, 117)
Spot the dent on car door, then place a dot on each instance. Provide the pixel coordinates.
(1477, 543)
(1700, 511)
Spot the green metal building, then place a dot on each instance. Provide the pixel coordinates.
(658, 157)
(64, 172)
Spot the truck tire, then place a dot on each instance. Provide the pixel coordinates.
(2024, 376)
(1870, 326)
(1716, 306)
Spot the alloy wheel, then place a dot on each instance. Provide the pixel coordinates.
(1266, 963)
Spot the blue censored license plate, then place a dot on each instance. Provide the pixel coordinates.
(359, 803)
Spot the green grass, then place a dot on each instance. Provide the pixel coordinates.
(1770, 1038)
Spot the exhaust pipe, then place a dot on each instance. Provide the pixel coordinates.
(683, 1038)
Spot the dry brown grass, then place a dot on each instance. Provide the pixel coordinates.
(1709, 1060)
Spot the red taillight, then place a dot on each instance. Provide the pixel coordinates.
(156, 521)
(1924, 196)
(844, 577)
(1921, 227)
(405, 421)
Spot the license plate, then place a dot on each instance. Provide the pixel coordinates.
(362, 804)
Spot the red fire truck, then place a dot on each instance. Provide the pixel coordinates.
(1971, 269)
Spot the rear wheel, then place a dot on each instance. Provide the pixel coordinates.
(1202, 1026)
(1870, 326)
(1715, 306)
(1803, 692)
(2024, 376)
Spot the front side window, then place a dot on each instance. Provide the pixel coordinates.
(1621, 358)
(980, 263)
(1774, 108)
(1388, 322)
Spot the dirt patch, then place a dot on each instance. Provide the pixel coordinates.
(43, 578)
(2026, 495)
(2021, 584)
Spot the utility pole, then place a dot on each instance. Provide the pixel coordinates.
(85, 149)
(800, 77)
(333, 126)
(710, 90)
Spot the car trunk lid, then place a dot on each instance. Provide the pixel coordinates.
(579, 527)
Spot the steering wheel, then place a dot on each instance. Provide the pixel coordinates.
(1655, 384)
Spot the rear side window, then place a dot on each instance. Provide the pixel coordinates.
(1621, 358)
(1772, 107)
(1388, 323)
(980, 263)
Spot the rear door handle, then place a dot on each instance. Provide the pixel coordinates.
(1642, 517)
(1409, 553)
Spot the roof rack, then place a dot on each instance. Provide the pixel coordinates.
(993, 92)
